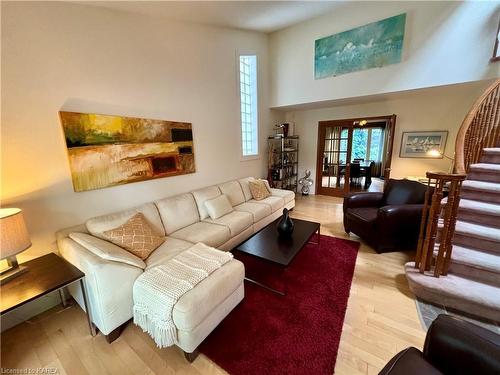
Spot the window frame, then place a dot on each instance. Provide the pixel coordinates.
(256, 116)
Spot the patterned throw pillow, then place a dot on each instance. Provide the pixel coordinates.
(135, 236)
(258, 189)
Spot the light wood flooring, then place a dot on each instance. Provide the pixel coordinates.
(381, 320)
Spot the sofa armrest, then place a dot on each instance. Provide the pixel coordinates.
(398, 226)
(356, 200)
(109, 285)
(455, 346)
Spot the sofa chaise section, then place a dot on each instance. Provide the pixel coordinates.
(184, 221)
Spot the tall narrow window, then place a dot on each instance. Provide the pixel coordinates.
(248, 105)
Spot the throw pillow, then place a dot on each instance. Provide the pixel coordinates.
(106, 250)
(218, 207)
(259, 190)
(136, 236)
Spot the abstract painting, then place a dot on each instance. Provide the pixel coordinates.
(417, 144)
(108, 150)
(374, 45)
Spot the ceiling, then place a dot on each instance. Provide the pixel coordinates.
(262, 16)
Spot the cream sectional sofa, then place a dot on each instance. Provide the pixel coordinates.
(184, 220)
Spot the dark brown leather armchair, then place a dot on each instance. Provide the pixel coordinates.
(390, 220)
(452, 347)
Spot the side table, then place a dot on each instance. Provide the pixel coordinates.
(45, 274)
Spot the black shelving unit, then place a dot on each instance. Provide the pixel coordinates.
(283, 161)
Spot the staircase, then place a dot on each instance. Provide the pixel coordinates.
(465, 274)
(473, 280)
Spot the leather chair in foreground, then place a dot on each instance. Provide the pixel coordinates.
(388, 221)
(452, 347)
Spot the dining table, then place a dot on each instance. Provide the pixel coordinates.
(363, 166)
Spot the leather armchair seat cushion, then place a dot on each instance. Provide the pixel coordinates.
(409, 362)
(167, 250)
(364, 215)
(287, 195)
(236, 221)
(258, 211)
(212, 235)
(274, 202)
(194, 306)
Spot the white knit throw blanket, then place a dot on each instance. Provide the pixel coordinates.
(158, 289)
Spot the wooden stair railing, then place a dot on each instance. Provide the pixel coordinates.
(437, 184)
(479, 130)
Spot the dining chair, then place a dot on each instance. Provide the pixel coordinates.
(355, 174)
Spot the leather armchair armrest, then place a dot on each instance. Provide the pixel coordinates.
(398, 226)
(356, 200)
(455, 346)
(409, 213)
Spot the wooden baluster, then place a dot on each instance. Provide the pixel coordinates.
(430, 237)
(423, 225)
(457, 185)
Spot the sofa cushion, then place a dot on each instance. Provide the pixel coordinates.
(258, 211)
(136, 236)
(98, 225)
(202, 195)
(194, 306)
(106, 250)
(236, 221)
(218, 207)
(259, 190)
(233, 191)
(274, 202)
(167, 250)
(287, 195)
(245, 187)
(364, 215)
(178, 212)
(210, 234)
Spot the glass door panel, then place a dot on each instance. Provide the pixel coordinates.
(333, 157)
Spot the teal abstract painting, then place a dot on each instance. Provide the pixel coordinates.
(374, 45)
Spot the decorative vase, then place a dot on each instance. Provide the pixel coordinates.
(285, 225)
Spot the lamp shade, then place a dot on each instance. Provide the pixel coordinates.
(14, 236)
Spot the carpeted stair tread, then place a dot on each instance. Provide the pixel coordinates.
(464, 294)
(489, 187)
(477, 206)
(478, 231)
(491, 150)
(488, 172)
(491, 155)
(481, 191)
(485, 167)
(474, 258)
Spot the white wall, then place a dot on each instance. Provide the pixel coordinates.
(446, 42)
(63, 56)
(441, 108)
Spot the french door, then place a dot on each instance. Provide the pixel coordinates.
(333, 167)
(334, 157)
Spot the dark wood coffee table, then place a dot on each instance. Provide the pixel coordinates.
(268, 246)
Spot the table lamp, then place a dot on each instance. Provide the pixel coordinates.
(438, 154)
(14, 238)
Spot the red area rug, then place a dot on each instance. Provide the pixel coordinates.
(295, 334)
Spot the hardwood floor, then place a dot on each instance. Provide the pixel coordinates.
(381, 320)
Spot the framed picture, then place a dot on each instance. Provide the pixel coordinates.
(418, 144)
(106, 150)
